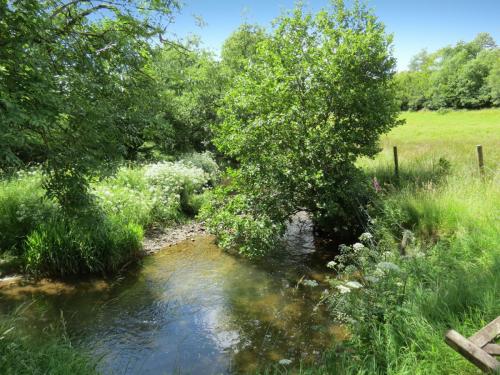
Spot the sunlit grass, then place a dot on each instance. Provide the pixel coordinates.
(428, 136)
(454, 214)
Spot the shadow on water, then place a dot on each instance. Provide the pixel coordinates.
(192, 309)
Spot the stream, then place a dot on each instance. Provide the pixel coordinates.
(191, 309)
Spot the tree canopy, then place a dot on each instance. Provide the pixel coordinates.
(316, 96)
(69, 72)
(460, 76)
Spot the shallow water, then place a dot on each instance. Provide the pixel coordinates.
(191, 309)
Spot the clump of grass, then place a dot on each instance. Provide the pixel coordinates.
(75, 246)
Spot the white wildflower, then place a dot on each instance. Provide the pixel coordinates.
(353, 285)
(331, 264)
(388, 266)
(358, 246)
(285, 361)
(343, 289)
(365, 237)
(372, 279)
(310, 283)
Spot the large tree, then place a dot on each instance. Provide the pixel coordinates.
(315, 97)
(69, 71)
(241, 46)
(189, 85)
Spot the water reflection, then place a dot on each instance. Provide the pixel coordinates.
(192, 309)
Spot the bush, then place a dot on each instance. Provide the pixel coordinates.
(238, 227)
(158, 193)
(174, 185)
(204, 161)
(297, 120)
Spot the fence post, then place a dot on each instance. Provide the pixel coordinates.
(480, 159)
(396, 163)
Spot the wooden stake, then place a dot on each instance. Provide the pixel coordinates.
(396, 163)
(480, 159)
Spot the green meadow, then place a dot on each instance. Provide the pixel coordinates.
(449, 134)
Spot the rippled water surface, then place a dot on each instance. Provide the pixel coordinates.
(191, 309)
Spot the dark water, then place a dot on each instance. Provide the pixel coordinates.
(191, 309)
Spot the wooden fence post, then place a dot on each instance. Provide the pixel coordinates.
(480, 159)
(480, 348)
(396, 162)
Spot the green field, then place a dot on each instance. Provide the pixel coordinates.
(453, 135)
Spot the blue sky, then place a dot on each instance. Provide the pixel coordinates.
(415, 24)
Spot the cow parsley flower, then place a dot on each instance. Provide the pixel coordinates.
(343, 289)
(388, 266)
(310, 283)
(331, 264)
(358, 246)
(365, 237)
(353, 285)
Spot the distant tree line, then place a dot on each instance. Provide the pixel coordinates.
(464, 76)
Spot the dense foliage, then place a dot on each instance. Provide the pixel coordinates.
(466, 75)
(240, 48)
(188, 85)
(68, 74)
(47, 242)
(297, 119)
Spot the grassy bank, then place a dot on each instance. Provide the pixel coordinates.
(448, 273)
(37, 237)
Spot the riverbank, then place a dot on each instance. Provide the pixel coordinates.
(161, 238)
(434, 261)
(155, 240)
(40, 238)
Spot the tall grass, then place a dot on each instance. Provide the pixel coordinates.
(455, 284)
(451, 267)
(22, 207)
(21, 354)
